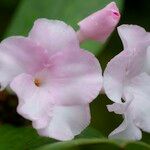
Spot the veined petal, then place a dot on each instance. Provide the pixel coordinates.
(66, 122)
(134, 36)
(76, 77)
(19, 55)
(99, 25)
(54, 35)
(120, 70)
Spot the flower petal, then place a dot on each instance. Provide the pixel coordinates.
(34, 102)
(141, 111)
(36, 105)
(118, 108)
(127, 130)
(140, 107)
(136, 111)
(18, 55)
(147, 61)
(120, 70)
(67, 121)
(133, 36)
(99, 25)
(54, 35)
(76, 77)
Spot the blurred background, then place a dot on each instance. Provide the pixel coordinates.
(17, 17)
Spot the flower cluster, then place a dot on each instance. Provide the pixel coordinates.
(55, 80)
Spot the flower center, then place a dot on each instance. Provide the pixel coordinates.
(37, 82)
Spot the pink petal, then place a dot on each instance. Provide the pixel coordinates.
(76, 77)
(18, 55)
(54, 35)
(99, 25)
(34, 102)
(120, 70)
(67, 121)
(134, 36)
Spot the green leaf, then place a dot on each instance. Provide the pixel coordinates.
(15, 138)
(95, 144)
(80, 143)
(136, 146)
(70, 11)
(90, 132)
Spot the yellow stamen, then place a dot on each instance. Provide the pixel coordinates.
(37, 82)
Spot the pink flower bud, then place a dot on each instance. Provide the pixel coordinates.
(99, 25)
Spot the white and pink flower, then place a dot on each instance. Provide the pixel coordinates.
(127, 83)
(54, 79)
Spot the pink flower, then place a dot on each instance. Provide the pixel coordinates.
(100, 24)
(127, 83)
(54, 79)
